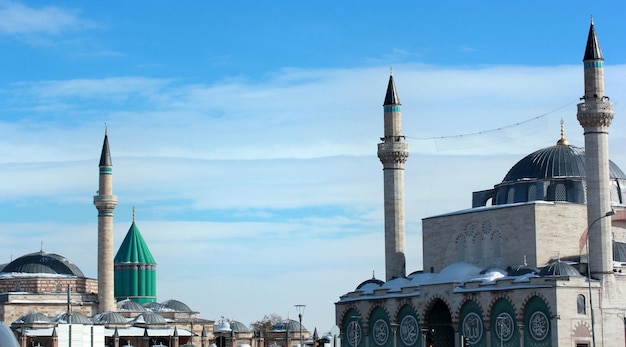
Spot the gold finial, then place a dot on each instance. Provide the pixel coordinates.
(562, 141)
(133, 214)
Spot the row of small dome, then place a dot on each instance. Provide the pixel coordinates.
(226, 326)
(147, 315)
(464, 272)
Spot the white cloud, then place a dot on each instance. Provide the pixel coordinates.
(281, 174)
(19, 19)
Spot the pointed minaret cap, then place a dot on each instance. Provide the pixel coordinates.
(105, 156)
(392, 95)
(592, 51)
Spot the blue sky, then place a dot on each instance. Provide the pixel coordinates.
(245, 132)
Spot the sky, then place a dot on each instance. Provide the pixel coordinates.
(244, 133)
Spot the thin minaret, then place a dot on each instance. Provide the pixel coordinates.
(595, 115)
(105, 202)
(393, 153)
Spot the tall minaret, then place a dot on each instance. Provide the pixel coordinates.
(105, 202)
(393, 153)
(595, 115)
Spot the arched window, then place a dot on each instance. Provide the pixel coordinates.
(59, 288)
(532, 193)
(460, 249)
(510, 195)
(496, 245)
(478, 249)
(581, 304)
(560, 193)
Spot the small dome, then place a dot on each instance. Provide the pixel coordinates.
(369, 285)
(173, 305)
(130, 306)
(521, 270)
(152, 305)
(288, 325)
(33, 318)
(559, 268)
(238, 327)
(42, 262)
(458, 272)
(73, 317)
(150, 318)
(109, 318)
(7, 339)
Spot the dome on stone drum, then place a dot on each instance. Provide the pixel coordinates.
(150, 318)
(130, 306)
(173, 305)
(33, 318)
(555, 173)
(107, 318)
(152, 305)
(238, 327)
(287, 325)
(368, 285)
(44, 263)
(73, 318)
(553, 162)
(559, 268)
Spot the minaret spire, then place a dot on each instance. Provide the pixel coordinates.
(393, 153)
(595, 115)
(105, 202)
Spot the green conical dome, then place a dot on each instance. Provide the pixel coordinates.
(134, 249)
(134, 269)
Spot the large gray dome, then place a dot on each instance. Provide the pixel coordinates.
(42, 262)
(555, 162)
(555, 173)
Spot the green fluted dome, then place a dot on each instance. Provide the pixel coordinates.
(134, 249)
(134, 269)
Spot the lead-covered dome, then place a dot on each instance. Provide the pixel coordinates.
(43, 263)
(289, 325)
(555, 173)
(555, 162)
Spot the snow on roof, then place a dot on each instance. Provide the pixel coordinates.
(457, 273)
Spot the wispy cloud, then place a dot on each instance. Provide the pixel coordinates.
(282, 171)
(22, 20)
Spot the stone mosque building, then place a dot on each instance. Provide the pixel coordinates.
(538, 260)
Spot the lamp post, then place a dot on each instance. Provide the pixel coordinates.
(593, 331)
(300, 309)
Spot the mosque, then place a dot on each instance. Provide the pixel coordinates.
(538, 260)
(48, 301)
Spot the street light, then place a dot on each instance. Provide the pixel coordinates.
(593, 331)
(300, 309)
